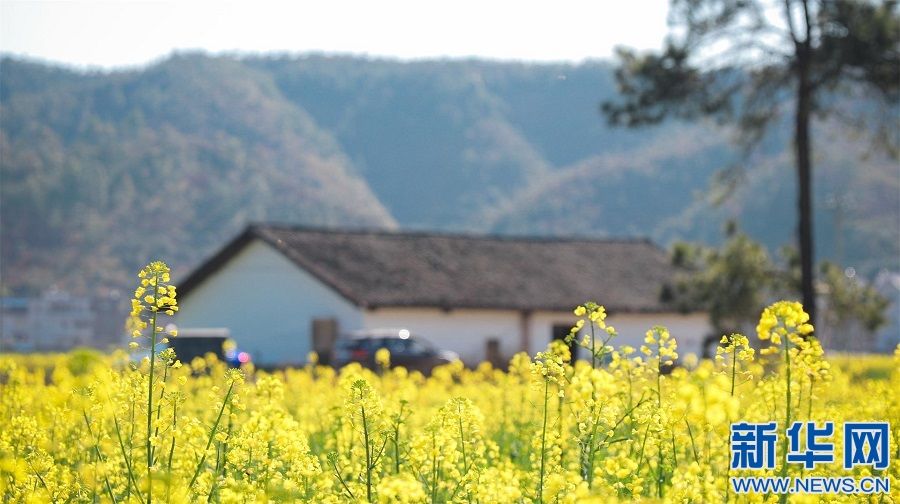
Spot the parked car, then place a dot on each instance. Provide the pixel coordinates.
(407, 350)
(191, 343)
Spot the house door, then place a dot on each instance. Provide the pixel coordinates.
(560, 332)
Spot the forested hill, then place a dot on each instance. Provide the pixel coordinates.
(103, 171)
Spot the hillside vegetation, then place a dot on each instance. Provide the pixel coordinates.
(101, 171)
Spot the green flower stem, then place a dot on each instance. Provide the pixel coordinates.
(340, 477)
(397, 439)
(212, 434)
(132, 481)
(462, 440)
(540, 495)
(787, 414)
(87, 422)
(171, 448)
(150, 391)
(368, 455)
(733, 365)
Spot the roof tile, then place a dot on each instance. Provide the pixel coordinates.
(395, 269)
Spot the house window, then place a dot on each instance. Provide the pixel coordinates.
(560, 331)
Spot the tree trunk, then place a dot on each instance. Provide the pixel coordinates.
(803, 146)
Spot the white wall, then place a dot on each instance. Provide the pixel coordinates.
(463, 331)
(268, 304)
(466, 331)
(689, 330)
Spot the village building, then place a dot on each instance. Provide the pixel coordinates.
(282, 291)
(58, 320)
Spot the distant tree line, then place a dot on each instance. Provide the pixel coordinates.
(735, 281)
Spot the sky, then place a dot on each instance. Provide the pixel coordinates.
(122, 33)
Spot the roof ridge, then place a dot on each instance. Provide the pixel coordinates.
(471, 235)
(391, 268)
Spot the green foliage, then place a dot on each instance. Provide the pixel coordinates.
(737, 61)
(731, 283)
(849, 299)
(745, 62)
(82, 360)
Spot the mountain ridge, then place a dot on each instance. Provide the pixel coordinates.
(103, 170)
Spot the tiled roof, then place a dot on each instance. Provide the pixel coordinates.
(394, 269)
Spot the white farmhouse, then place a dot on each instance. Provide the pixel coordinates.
(283, 291)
